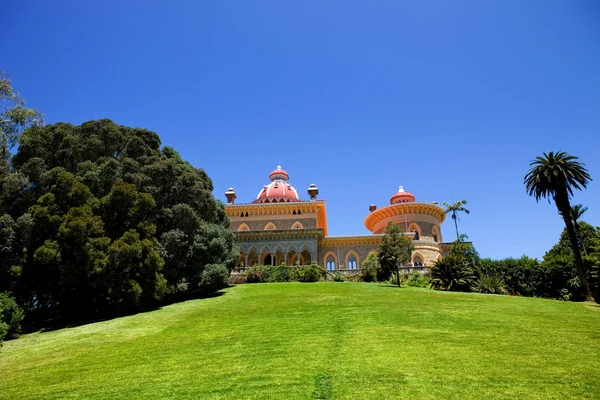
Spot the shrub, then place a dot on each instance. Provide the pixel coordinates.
(417, 279)
(237, 279)
(491, 284)
(255, 275)
(11, 316)
(279, 273)
(369, 268)
(311, 273)
(337, 277)
(214, 277)
(394, 279)
(355, 277)
(452, 273)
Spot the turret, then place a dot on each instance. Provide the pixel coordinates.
(313, 191)
(230, 194)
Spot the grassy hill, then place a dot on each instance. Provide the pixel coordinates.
(319, 341)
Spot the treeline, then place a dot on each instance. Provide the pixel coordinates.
(98, 219)
(554, 277)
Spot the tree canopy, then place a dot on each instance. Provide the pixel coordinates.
(556, 174)
(14, 116)
(99, 218)
(395, 249)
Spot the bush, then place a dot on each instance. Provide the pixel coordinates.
(11, 316)
(417, 279)
(214, 277)
(311, 273)
(337, 277)
(452, 273)
(255, 275)
(284, 273)
(355, 277)
(394, 279)
(490, 284)
(368, 272)
(280, 273)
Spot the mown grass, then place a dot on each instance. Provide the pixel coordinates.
(319, 341)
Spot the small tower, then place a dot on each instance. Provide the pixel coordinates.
(372, 207)
(313, 191)
(230, 194)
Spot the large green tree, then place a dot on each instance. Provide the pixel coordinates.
(555, 175)
(395, 249)
(99, 218)
(455, 208)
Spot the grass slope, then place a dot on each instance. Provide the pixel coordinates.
(319, 341)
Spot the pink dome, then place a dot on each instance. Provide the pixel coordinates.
(402, 197)
(278, 191)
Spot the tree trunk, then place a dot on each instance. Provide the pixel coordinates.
(398, 274)
(455, 225)
(564, 207)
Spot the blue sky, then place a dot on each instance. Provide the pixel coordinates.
(451, 99)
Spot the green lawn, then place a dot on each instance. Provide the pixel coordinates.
(319, 341)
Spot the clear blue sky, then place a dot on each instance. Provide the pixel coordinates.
(451, 99)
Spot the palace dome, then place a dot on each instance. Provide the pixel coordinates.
(278, 191)
(402, 197)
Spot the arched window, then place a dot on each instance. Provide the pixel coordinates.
(417, 262)
(243, 228)
(415, 229)
(297, 225)
(436, 233)
(330, 263)
(352, 262)
(270, 227)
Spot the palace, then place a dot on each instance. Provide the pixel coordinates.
(278, 227)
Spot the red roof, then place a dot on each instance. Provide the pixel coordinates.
(277, 192)
(402, 197)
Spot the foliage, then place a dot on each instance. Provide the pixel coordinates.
(14, 116)
(311, 273)
(11, 316)
(99, 219)
(457, 271)
(214, 277)
(455, 208)
(418, 279)
(338, 277)
(255, 274)
(369, 268)
(520, 275)
(555, 175)
(490, 284)
(284, 273)
(395, 249)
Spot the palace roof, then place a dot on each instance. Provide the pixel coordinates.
(279, 190)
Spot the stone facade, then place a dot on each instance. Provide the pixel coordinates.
(278, 227)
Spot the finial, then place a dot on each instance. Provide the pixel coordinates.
(401, 189)
(279, 167)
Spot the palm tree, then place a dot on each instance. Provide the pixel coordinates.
(454, 208)
(556, 175)
(576, 212)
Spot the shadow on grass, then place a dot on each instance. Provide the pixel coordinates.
(56, 324)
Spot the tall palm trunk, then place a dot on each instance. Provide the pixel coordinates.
(455, 225)
(562, 203)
